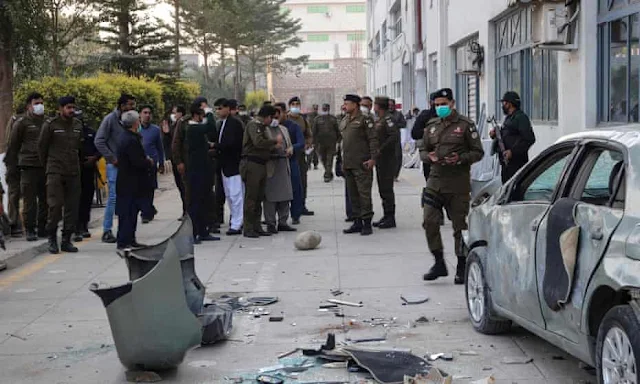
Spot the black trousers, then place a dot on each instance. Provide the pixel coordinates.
(199, 183)
(128, 209)
(87, 191)
(180, 184)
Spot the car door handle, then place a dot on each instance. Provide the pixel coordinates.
(596, 233)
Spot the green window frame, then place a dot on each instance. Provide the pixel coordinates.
(318, 9)
(358, 36)
(318, 37)
(318, 65)
(356, 8)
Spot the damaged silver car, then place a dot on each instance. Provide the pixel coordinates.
(556, 250)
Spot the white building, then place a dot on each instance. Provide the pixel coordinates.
(333, 34)
(590, 80)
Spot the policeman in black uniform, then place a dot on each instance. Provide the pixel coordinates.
(89, 156)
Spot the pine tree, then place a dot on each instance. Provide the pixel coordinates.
(139, 45)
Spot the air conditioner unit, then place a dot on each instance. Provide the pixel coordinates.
(466, 61)
(549, 24)
(327, 14)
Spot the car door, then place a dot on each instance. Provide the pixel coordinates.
(511, 267)
(594, 189)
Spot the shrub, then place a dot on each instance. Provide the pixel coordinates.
(97, 96)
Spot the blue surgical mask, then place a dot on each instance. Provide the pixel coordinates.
(295, 110)
(443, 111)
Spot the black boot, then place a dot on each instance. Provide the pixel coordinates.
(356, 227)
(377, 223)
(85, 231)
(31, 235)
(460, 270)
(66, 245)
(439, 269)
(389, 222)
(366, 227)
(53, 243)
(78, 237)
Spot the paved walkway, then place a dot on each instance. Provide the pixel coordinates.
(54, 330)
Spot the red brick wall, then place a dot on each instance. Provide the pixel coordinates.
(318, 87)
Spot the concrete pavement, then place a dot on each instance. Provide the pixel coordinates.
(53, 330)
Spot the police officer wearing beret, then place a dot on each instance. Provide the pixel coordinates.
(451, 145)
(59, 150)
(386, 163)
(517, 136)
(360, 151)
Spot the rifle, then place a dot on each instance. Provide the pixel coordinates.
(498, 131)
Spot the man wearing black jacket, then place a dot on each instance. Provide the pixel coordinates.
(134, 180)
(517, 136)
(89, 156)
(228, 150)
(418, 129)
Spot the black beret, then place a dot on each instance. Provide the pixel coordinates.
(381, 100)
(325, 105)
(66, 100)
(294, 99)
(445, 92)
(512, 97)
(354, 98)
(432, 96)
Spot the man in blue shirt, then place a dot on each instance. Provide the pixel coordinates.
(153, 147)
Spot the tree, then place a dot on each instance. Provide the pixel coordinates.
(254, 99)
(268, 39)
(199, 19)
(138, 44)
(21, 35)
(66, 21)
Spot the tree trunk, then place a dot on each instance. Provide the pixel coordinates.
(222, 64)
(177, 32)
(54, 42)
(236, 82)
(254, 81)
(205, 55)
(6, 87)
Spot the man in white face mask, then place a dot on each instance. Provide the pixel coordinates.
(296, 116)
(22, 153)
(366, 107)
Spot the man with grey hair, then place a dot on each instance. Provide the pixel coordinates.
(134, 179)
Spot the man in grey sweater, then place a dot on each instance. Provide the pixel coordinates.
(107, 140)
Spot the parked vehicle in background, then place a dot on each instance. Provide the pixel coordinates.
(556, 250)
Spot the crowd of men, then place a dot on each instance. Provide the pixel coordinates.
(256, 165)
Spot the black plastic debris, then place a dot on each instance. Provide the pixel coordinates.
(389, 367)
(329, 346)
(217, 320)
(261, 301)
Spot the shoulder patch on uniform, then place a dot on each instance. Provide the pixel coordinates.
(370, 125)
(474, 135)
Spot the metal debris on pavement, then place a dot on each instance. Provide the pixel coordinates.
(260, 301)
(442, 356)
(367, 340)
(347, 303)
(276, 319)
(280, 356)
(517, 360)
(468, 353)
(142, 377)
(336, 292)
(414, 298)
(337, 364)
(486, 380)
(17, 336)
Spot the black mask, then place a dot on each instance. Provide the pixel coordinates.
(505, 109)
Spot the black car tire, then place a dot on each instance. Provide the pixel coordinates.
(488, 323)
(624, 319)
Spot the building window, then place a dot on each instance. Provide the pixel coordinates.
(467, 90)
(377, 42)
(533, 76)
(396, 19)
(317, 66)
(358, 36)
(383, 34)
(355, 8)
(619, 62)
(318, 9)
(318, 37)
(397, 89)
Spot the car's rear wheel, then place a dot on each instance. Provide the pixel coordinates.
(479, 300)
(618, 347)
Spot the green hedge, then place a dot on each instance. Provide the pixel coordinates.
(97, 96)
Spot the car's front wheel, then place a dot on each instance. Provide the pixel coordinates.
(618, 347)
(479, 300)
